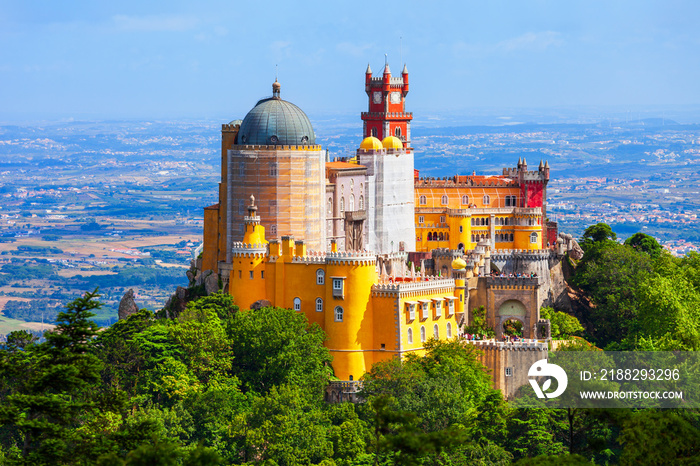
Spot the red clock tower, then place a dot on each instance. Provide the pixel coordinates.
(387, 105)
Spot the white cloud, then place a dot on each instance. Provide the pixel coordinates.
(154, 23)
(528, 42)
(531, 41)
(356, 50)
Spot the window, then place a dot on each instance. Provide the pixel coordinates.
(422, 200)
(442, 219)
(262, 274)
(448, 332)
(397, 132)
(410, 336)
(465, 200)
(362, 203)
(511, 237)
(273, 169)
(319, 305)
(509, 372)
(421, 219)
(297, 304)
(422, 334)
(451, 307)
(252, 274)
(338, 288)
(273, 229)
(436, 331)
(443, 200)
(424, 310)
(438, 308)
(533, 238)
(241, 168)
(320, 277)
(507, 201)
(352, 203)
(338, 314)
(330, 206)
(374, 132)
(460, 228)
(487, 200)
(342, 205)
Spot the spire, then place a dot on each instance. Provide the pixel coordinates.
(369, 70)
(541, 165)
(520, 161)
(386, 64)
(546, 164)
(524, 163)
(405, 69)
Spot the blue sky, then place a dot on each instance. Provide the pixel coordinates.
(157, 59)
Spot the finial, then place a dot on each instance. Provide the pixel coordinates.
(405, 69)
(252, 208)
(369, 70)
(252, 200)
(276, 89)
(386, 59)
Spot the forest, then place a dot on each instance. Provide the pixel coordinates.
(213, 385)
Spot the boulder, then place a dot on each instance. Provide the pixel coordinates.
(127, 305)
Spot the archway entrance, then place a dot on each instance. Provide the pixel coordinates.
(513, 328)
(510, 319)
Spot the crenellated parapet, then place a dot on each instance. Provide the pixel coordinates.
(521, 345)
(512, 283)
(430, 284)
(351, 258)
(240, 249)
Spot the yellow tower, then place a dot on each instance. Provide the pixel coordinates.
(247, 276)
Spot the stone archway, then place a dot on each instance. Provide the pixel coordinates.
(511, 309)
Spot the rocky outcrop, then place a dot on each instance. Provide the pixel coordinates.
(127, 305)
(260, 304)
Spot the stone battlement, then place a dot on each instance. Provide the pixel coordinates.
(276, 147)
(238, 247)
(512, 282)
(466, 181)
(522, 345)
(429, 284)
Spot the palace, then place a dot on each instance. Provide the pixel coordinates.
(378, 257)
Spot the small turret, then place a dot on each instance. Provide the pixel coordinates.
(368, 78)
(276, 89)
(404, 75)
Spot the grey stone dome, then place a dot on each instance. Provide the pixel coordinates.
(275, 121)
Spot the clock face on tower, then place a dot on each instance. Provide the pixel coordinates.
(395, 97)
(377, 97)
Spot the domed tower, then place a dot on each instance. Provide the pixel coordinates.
(386, 114)
(275, 157)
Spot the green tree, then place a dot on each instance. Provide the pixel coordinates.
(273, 347)
(562, 324)
(598, 233)
(644, 243)
(51, 387)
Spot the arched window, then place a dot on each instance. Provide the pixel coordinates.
(297, 304)
(511, 236)
(397, 132)
(422, 334)
(443, 200)
(352, 203)
(320, 277)
(362, 203)
(410, 336)
(342, 205)
(447, 236)
(273, 169)
(338, 314)
(422, 200)
(465, 200)
(506, 221)
(435, 236)
(374, 132)
(533, 238)
(483, 221)
(319, 305)
(440, 236)
(448, 333)
(330, 206)
(430, 236)
(436, 331)
(487, 200)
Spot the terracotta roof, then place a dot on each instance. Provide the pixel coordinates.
(343, 166)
